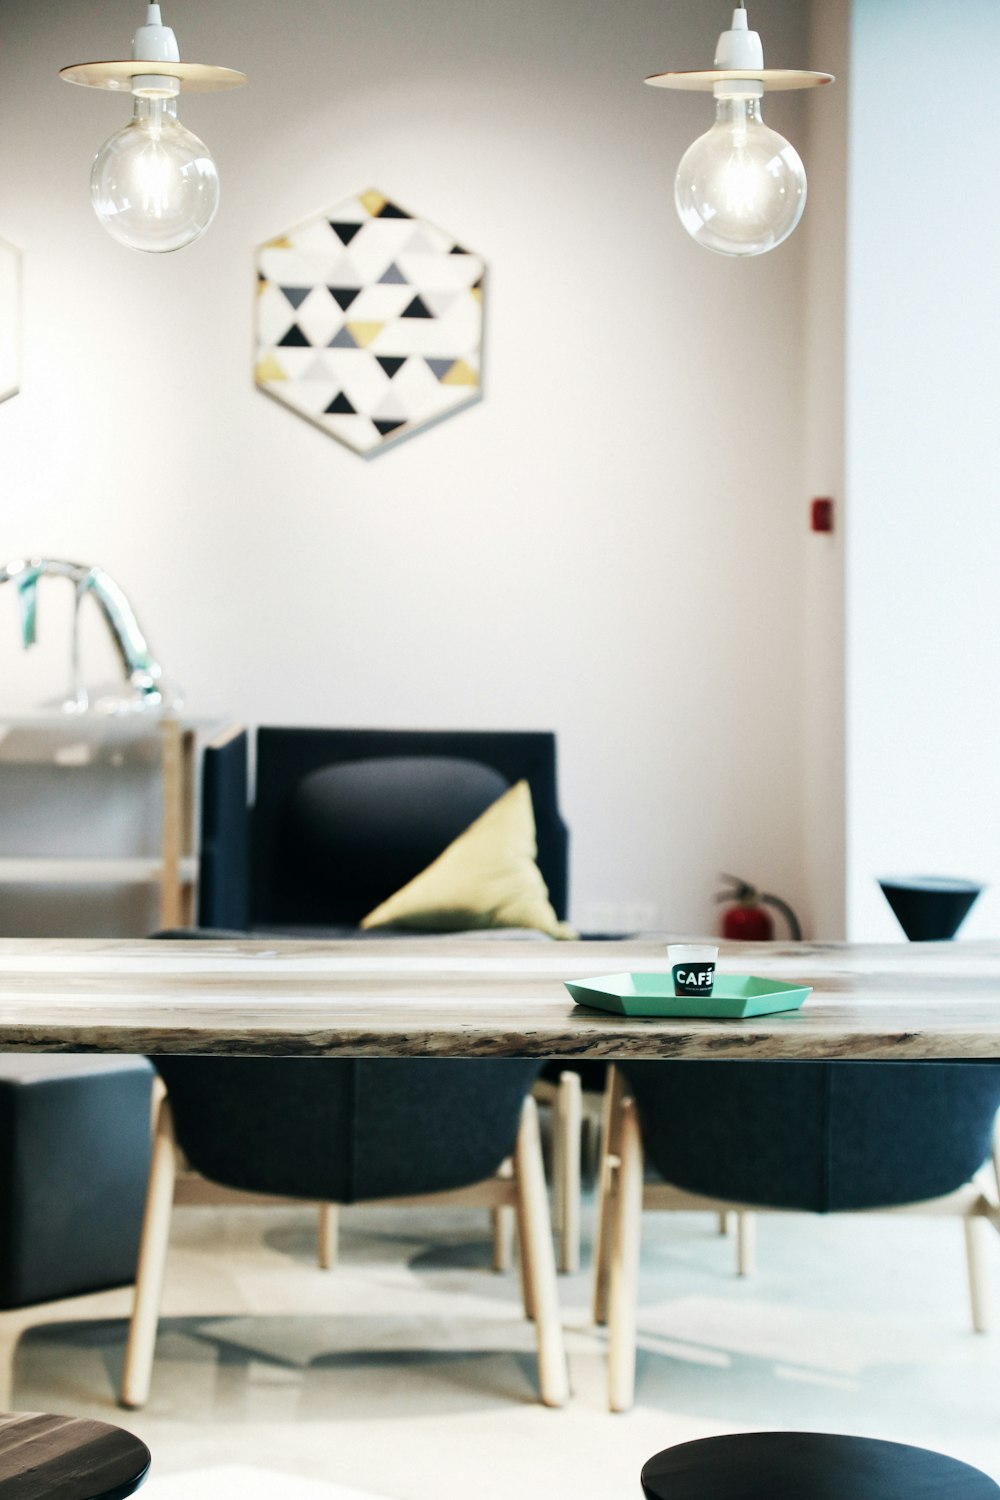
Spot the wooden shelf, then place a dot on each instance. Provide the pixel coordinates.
(31, 869)
(102, 741)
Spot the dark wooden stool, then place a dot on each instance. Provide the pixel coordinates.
(43, 1457)
(809, 1466)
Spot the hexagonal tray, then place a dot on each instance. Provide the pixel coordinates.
(733, 997)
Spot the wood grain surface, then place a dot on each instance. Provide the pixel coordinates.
(46, 1457)
(463, 997)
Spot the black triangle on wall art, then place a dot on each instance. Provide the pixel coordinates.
(344, 295)
(344, 232)
(392, 363)
(417, 309)
(294, 339)
(386, 427)
(341, 406)
(391, 211)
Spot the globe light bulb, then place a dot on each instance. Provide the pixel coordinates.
(154, 185)
(741, 187)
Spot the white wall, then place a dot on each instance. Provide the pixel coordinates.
(822, 559)
(923, 604)
(587, 550)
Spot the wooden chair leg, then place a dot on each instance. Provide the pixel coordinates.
(569, 1130)
(623, 1291)
(746, 1244)
(977, 1231)
(591, 1149)
(558, 1147)
(138, 1369)
(524, 1268)
(537, 1257)
(503, 1226)
(328, 1236)
(725, 1223)
(607, 1185)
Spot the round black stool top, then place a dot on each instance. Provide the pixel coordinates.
(43, 1457)
(809, 1466)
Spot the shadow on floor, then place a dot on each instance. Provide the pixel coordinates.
(212, 1369)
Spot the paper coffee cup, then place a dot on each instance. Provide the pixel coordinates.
(693, 967)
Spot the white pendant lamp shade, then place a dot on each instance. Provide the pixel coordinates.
(154, 185)
(740, 188)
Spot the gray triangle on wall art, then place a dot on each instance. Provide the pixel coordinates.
(374, 363)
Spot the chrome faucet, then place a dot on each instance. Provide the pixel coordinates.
(142, 670)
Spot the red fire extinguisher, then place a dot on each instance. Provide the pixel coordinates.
(747, 919)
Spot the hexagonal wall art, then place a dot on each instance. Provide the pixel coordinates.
(369, 322)
(10, 319)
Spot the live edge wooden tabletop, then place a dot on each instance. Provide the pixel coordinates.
(463, 997)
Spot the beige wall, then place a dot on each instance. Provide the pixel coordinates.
(610, 545)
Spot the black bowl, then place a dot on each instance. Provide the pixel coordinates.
(930, 908)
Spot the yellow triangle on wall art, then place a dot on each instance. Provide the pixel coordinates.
(364, 333)
(373, 201)
(461, 374)
(269, 369)
(281, 243)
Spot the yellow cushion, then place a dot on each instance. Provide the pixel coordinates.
(486, 878)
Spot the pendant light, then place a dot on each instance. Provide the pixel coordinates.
(154, 185)
(741, 187)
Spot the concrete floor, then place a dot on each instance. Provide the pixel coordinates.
(408, 1372)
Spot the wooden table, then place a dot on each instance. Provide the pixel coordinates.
(45, 1457)
(468, 997)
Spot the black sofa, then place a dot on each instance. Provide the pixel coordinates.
(342, 818)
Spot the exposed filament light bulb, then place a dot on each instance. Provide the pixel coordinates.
(154, 185)
(741, 187)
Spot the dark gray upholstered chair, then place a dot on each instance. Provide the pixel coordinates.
(74, 1156)
(341, 818)
(321, 1129)
(769, 1136)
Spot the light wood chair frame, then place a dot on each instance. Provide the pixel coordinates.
(576, 1115)
(623, 1195)
(502, 1217)
(518, 1189)
(574, 1124)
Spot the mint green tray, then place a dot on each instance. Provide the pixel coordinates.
(733, 997)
